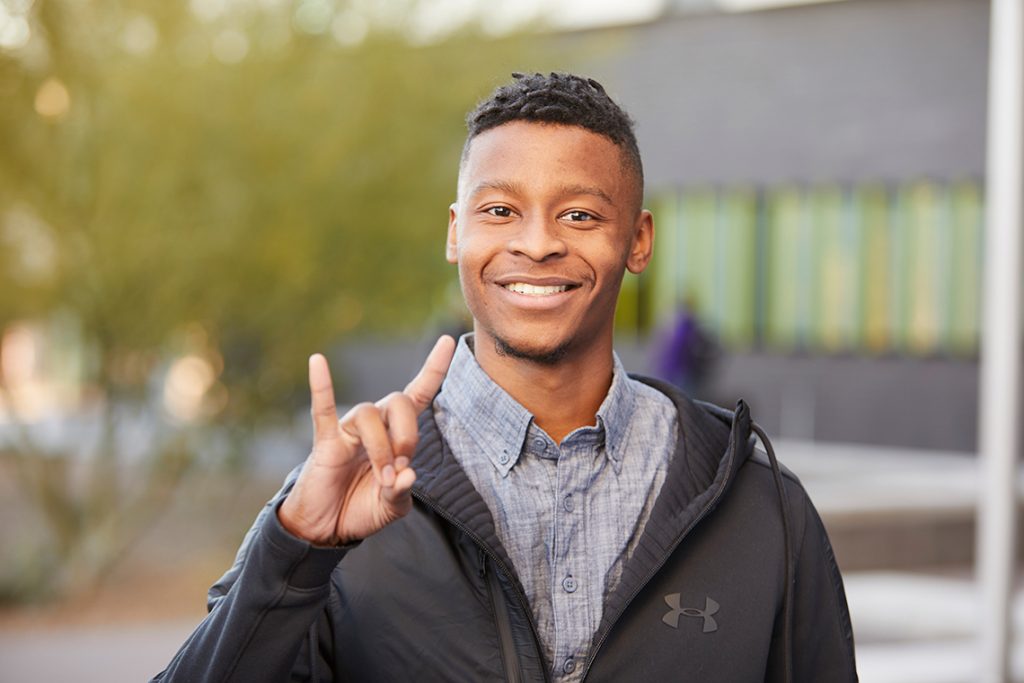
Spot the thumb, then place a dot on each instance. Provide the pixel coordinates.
(424, 385)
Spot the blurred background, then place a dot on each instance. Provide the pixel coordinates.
(195, 196)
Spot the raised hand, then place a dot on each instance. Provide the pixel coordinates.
(358, 477)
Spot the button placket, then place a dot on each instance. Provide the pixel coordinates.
(570, 596)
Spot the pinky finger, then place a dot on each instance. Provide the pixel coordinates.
(400, 493)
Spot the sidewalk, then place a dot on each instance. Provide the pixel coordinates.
(131, 653)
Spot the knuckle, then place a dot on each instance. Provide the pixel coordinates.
(415, 393)
(357, 415)
(362, 411)
(405, 445)
(321, 409)
(403, 398)
(388, 400)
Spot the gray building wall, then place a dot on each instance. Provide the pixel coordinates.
(862, 90)
(928, 403)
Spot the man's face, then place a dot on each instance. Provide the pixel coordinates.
(546, 222)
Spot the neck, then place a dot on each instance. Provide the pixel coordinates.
(562, 396)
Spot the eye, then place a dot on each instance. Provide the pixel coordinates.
(499, 211)
(577, 216)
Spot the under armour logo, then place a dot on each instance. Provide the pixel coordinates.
(710, 608)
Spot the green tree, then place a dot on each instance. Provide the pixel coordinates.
(210, 195)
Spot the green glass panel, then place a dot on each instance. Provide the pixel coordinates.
(965, 295)
(923, 268)
(783, 215)
(875, 273)
(736, 257)
(831, 282)
(899, 272)
(666, 268)
(698, 234)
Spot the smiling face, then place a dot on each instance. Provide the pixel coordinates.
(547, 220)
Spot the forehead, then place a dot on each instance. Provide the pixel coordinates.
(538, 153)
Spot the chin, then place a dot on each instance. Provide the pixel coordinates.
(540, 354)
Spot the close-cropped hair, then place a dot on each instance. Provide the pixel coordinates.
(558, 98)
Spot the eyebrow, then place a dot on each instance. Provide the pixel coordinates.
(517, 189)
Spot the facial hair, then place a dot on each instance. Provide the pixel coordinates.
(503, 348)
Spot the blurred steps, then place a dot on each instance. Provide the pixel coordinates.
(890, 508)
(902, 525)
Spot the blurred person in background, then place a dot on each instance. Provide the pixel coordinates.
(524, 509)
(688, 352)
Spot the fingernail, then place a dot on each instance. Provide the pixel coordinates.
(401, 463)
(387, 476)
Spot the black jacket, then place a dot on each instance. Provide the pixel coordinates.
(433, 597)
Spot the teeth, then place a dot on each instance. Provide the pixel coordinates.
(535, 290)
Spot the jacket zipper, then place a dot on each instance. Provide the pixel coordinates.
(504, 628)
(513, 671)
(654, 570)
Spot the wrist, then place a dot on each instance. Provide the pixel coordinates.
(296, 524)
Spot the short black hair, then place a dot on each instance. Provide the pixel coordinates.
(558, 98)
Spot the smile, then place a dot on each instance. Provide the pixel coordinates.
(535, 290)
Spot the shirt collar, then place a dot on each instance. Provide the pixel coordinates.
(495, 421)
(498, 424)
(616, 412)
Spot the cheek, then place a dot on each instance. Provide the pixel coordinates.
(470, 281)
(474, 256)
(609, 262)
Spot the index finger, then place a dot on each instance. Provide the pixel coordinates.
(325, 413)
(428, 380)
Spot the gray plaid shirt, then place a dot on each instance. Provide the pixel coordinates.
(568, 514)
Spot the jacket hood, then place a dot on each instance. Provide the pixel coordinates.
(717, 441)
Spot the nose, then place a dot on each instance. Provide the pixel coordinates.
(538, 238)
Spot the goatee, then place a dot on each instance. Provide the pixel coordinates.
(551, 357)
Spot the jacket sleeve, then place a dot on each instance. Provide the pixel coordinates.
(265, 613)
(821, 640)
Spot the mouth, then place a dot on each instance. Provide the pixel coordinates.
(536, 290)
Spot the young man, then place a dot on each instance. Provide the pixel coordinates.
(543, 516)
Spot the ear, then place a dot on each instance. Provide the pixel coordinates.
(642, 245)
(451, 250)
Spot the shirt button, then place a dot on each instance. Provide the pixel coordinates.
(569, 584)
(567, 503)
(503, 458)
(569, 665)
(539, 444)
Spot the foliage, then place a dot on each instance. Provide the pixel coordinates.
(234, 186)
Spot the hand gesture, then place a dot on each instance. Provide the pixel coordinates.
(358, 477)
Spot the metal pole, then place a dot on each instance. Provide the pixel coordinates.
(999, 410)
